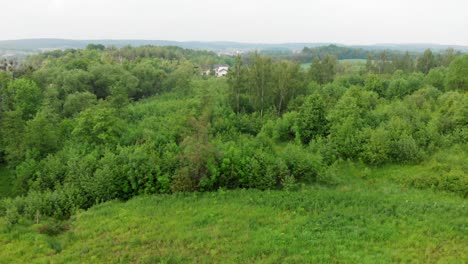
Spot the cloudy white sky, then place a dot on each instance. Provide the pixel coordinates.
(269, 21)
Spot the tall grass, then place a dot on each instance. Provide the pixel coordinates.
(368, 220)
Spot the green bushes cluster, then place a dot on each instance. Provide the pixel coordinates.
(445, 171)
(81, 130)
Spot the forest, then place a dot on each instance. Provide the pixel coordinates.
(81, 127)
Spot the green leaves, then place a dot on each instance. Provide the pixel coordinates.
(323, 71)
(23, 95)
(457, 76)
(99, 125)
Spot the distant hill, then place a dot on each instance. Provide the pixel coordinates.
(414, 47)
(45, 44)
(38, 45)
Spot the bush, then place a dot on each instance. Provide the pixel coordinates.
(182, 181)
(377, 147)
(446, 171)
(303, 165)
(289, 183)
(52, 228)
(59, 204)
(12, 215)
(405, 150)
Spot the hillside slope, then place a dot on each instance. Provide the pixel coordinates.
(366, 221)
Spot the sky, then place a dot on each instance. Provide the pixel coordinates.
(260, 21)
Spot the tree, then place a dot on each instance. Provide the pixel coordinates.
(287, 84)
(312, 119)
(99, 125)
(12, 128)
(404, 63)
(76, 80)
(426, 62)
(5, 78)
(349, 117)
(237, 83)
(92, 46)
(383, 63)
(448, 56)
(23, 95)
(323, 71)
(77, 102)
(109, 78)
(180, 80)
(375, 83)
(260, 82)
(457, 76)
(198, 159)
(42, 133)
(150, 79)
(370, 68)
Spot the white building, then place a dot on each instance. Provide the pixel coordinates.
(221, 70)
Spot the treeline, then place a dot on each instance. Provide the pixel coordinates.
(383, 61)
(340, 52)
(84, 126)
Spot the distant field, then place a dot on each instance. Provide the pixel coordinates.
(305, 66)
(368, 220)
(353, 60)
(357, 61)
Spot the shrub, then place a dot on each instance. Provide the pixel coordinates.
(303, 165)
(52, 228)
(182, 181)
(289, 183)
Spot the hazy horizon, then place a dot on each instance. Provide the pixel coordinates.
(240, 42)
(359, 22)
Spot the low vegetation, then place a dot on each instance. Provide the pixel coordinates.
(335, 162)
(367, 220)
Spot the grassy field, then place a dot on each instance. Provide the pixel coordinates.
(306, 66)
(370, 219)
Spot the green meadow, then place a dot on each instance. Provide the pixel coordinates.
(372, 218)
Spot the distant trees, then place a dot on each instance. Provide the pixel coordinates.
(323, 71)
(404, 63)
(340, 52)
(262, 84)
(426, 62)
(92, 46)
(288, 83)
(237, 80)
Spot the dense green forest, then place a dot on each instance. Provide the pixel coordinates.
(85, 126)
(82, 127)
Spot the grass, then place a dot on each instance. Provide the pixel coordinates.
(306, 66)
(370, 219)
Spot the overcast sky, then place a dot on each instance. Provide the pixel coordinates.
(269, 21)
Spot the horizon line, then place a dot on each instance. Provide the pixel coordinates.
(237, 42)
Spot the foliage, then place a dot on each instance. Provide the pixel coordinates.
(457, 76)
(371, 220)
(82, 127)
